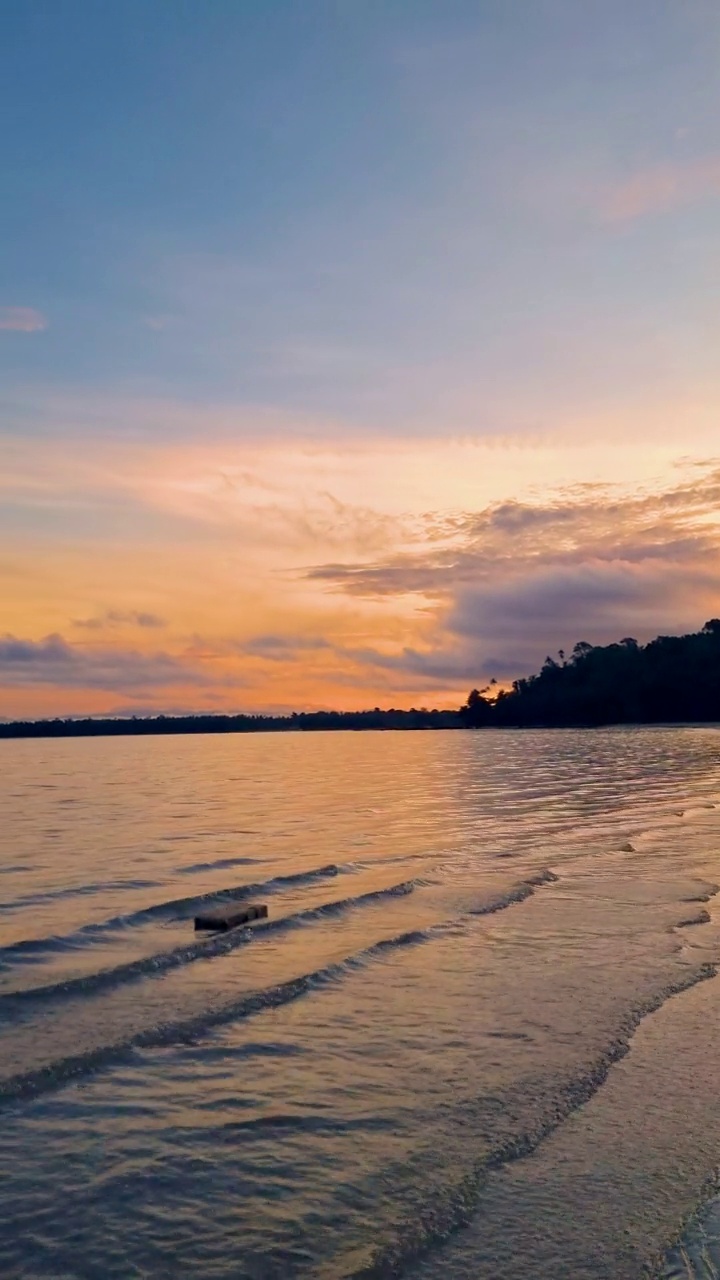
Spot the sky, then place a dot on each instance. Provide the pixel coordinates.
(352, 352)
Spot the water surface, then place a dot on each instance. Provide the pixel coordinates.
(475, 1037)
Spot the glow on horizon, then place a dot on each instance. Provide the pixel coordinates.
(363, 388)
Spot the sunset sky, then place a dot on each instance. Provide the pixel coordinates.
(352, 352)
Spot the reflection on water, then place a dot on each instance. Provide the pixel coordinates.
(419, 1064)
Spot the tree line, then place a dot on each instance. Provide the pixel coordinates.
(669, 680)
(303, 721)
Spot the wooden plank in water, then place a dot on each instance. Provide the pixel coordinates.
(231, 915)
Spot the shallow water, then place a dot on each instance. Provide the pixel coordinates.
(475, 1037)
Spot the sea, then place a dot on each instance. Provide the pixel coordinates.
(477, 1036)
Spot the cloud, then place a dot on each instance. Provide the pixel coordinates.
(283, 648)
(118, 618)
(53, 661)
(663, 187)
(20, 653)
(511, 626)
(22, 319)
(522, 579)
(421, 669)
(589, 522)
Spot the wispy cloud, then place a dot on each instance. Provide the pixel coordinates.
(662, 187)
(22, 319)
(283, 648)
(119, 618)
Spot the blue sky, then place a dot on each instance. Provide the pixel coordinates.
(280, 203)
(386, 264)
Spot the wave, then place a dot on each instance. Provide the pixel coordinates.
(221, 944)
(181, 908)
(700, 917)
(220, 864)
(453, 1205)
(67, 1070)
(76, 891)
(174, 909)
(518, 893)
(204, 948)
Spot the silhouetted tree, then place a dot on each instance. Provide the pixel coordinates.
(671, 679)
(477, 711)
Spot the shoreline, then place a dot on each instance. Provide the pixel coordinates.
(300, 722)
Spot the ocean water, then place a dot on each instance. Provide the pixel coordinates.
(478, 1035)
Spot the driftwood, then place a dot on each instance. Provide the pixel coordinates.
(230, 916)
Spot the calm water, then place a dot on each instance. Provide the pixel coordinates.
(474, 1039)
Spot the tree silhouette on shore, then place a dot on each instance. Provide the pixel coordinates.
(670, 679)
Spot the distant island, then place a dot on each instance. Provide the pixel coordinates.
(672, 679)
(307, 721)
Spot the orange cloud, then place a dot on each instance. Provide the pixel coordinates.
(312, 576)
(666, 186)
(22, 319)
(521, 578)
